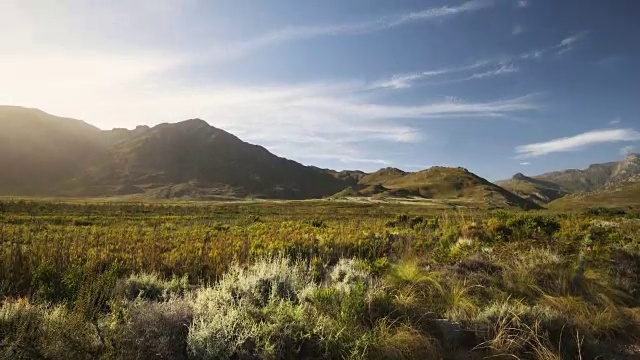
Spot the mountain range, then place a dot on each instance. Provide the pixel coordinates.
(46, 155)
(592, 185)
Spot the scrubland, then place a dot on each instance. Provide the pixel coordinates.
(316, 280)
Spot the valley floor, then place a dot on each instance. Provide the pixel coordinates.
(316, 279)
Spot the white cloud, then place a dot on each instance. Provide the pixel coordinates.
(534, 54)
(615, 121)
(565, 45)
(503, 69)
(525, 163)
(348, 160)
(296, 120)
(403, 81)
(297, 33)
(523, 3)
(577, 142)
(569, 43)
(124, 86)
(495, 67)
(629, 149)
(517, 30)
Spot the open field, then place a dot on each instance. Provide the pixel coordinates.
(315, 279)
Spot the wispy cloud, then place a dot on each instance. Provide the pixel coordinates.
(525, 163)
(615, 121)
(569, 43)
(126, 86)
(503, 69)
(565, 45)
(577, 142)
(297, 33)
(523, 3)
(517, 30)
(629, 149)
(403, 81)
(487, 68)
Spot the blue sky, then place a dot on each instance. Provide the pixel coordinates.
(496, 86)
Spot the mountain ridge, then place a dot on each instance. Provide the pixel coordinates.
(57, 156)
(595, 179)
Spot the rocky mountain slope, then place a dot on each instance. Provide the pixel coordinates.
(536, 190)
(597, 179)
(45, 155)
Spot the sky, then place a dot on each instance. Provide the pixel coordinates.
(495, 86)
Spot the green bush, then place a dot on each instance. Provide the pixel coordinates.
(152, 287)
(151, 330)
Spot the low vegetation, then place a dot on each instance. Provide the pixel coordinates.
(315, 280)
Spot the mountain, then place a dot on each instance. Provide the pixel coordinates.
(195, 155)
(38, 149)
(46, 155)
(621, 189)
(536, 190)
(627, 170)
(573, 180)
(594, 181)
(437, 183)
(622, 194)
(382, 176)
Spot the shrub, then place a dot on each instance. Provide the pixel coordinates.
(253, 312)
(534, 272)
(68, 335)
(473, 231)
(38, 332)
(47, 283)
(345, 275)
(624, 272)
(152, 330)
(403, 342)
(20, 330)
(512, 328)
(497, 230)
(151, 286)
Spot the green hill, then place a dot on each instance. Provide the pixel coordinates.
(440, 183)
(382, 176)
(539, 191)
(626, 194)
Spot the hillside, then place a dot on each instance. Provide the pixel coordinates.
(382, 176)
(46, 155)
(596, 180)
(439, 183)
(38, 149)
(539, 191)
(589, 179)
(193, 159)
(625, 194)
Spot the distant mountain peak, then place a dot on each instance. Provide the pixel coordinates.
(549, 186)
(195, 123)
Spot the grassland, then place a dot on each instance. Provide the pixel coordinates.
(315, 279)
